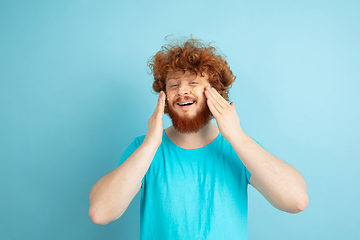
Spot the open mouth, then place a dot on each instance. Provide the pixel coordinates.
(188, 103)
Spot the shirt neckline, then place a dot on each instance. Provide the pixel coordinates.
(192, 149)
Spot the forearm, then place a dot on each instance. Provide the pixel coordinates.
(281, 184)
(112, 194)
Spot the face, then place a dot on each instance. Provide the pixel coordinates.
(186, 101)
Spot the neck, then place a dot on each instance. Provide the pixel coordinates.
(193, 140)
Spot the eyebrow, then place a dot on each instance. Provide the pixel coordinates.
(171, 80)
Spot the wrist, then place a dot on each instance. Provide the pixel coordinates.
(238, 136)
(150, 144)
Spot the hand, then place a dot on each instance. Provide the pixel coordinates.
(155, 124)
(225, 114)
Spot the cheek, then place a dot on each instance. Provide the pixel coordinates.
(197, 91)
(200, 89)
(170, 95)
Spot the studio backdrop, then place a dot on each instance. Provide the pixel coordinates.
(75, 91)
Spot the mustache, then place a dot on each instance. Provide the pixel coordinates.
(186, 98)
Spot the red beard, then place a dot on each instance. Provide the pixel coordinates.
(190, 125)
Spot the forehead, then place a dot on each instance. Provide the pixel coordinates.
(180, 76)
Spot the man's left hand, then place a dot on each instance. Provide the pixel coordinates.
(225, 114)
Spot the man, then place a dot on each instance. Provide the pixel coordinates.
(193, 176)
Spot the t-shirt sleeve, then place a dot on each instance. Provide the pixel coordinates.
(247, 173)
(130, 149)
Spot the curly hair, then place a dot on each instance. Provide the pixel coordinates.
(193, 56)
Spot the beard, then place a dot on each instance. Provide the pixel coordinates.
(190, 124)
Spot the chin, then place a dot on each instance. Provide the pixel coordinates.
(186, 123)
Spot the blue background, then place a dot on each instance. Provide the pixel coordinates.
(75, 91)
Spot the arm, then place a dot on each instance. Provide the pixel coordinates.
(281, 184)
(277, 181)
(112, 194)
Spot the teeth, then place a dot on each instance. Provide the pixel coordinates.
(182, 104)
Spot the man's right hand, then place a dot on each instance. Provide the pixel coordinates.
(155, 124)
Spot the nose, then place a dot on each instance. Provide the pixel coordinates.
(184, 89)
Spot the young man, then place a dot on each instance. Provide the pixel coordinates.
(193, 176)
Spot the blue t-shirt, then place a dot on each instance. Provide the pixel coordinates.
(193, 193)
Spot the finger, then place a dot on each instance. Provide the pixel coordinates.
(220, 99)
(213, 110)
(213, 100)
(160, 104)
(217, 99)
(162, 99)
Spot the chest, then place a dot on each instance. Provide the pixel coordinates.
(196, 171)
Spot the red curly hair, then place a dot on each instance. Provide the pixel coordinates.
(193, 56)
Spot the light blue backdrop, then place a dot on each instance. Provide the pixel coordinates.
(75, 91)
